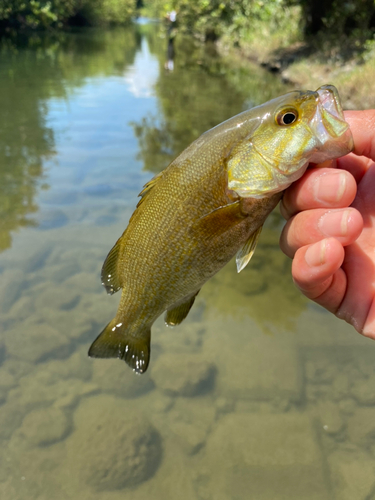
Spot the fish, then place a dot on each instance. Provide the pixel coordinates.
(208, 206)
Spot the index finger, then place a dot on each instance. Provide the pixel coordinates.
(319, 188)
(362, 125)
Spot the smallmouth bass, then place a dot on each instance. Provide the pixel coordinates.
(208, 205)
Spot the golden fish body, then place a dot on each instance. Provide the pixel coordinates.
(209, 205)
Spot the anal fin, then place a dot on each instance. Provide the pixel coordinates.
(177, 313)
(246, 252)
(115, 342)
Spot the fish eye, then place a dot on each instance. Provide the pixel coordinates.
(286, 117)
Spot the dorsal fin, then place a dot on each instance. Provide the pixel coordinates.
(109, 275)
(148, 186)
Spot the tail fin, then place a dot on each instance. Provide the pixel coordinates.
(115, 342)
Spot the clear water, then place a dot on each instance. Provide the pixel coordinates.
(257, 395)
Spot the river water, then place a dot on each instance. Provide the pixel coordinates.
(259, 394)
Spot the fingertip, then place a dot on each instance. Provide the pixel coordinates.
(314, 265)
(354, 226)
(311, 226)
(319, 188)
(362, 124)
(343, 224)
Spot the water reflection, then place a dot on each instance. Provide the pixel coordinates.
(25, 143)
(32, 72)
(143, 74)
(190, 99)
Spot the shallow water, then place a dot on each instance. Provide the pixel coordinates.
(257, 395)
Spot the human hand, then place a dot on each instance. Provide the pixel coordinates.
(330, 229)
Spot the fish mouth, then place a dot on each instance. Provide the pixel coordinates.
(332, 114)
(332, 131)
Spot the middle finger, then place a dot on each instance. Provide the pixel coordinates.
(311, 226)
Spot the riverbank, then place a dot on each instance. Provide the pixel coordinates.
(305, 42)
(301, 65)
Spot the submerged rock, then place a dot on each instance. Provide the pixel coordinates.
(11, 415)
(61, 272)
(35, 343)
(61, 297)
(252, 456)
(183, 374)
(76, 366)
(12, 283)
(188, 423)
(46, 387)
(114, 446)
(7, 381)
(352, 475)
(252, 365)
(330, 419)
(22, 309)
(361, 428)
(363, 390)
(43, 427)
(112, 376)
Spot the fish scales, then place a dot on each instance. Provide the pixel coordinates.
(207, 205)
(196, 190)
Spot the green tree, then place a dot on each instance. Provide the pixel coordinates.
(41, 14)
(340, 18)
(211, 19)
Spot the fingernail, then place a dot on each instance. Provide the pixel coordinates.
(315, 255)
(330, 187)
(334, 223)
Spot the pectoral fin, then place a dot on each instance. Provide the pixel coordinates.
(246, 252)
(177, 313)
(220, 220)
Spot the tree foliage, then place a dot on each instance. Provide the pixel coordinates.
(242, 20)
(46, 67)
(41, 14)
(339, 17)
(211, 19)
